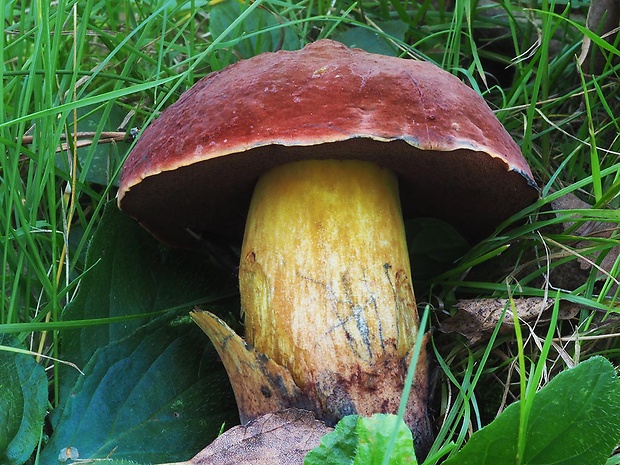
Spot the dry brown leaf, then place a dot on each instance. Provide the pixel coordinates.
(273, 439)
(588, 229)
(477, 318)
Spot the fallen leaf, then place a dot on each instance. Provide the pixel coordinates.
(477, 318)
(282, 438)
(588, 229)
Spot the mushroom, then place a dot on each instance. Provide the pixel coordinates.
(312, 151)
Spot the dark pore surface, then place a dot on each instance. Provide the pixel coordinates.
(471, 190)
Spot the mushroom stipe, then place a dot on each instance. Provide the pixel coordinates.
(326, 287)
(325, 284)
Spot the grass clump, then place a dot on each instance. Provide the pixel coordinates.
(81, 78)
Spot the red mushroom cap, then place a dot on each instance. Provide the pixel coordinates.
(195, 167)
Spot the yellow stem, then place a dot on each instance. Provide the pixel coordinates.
(325, 280)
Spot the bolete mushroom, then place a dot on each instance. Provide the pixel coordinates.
(313, 151)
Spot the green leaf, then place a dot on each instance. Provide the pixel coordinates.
(375, 435)
(158, 395)
(96, 161)
(370, 40)
(434, 246)
(118, 462)
(137, 370)
(129, 275)
(23, 401)
(71, 454)
(337, 447)
(364, 441)
(575, 419)
(261, 30)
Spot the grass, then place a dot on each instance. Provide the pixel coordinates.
(112, 66)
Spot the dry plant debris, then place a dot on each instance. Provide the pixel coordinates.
(477, 318)
(273, 439)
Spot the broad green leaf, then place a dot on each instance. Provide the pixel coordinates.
(365, 441)
(371, 41)
(131, 274)
(71, 455)
(275, 35)
(96, 161)
(375, 435)
(158, 395)
(337, 447)
(434, 246)
(575, 419)
(118, 462)
(23, 401)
